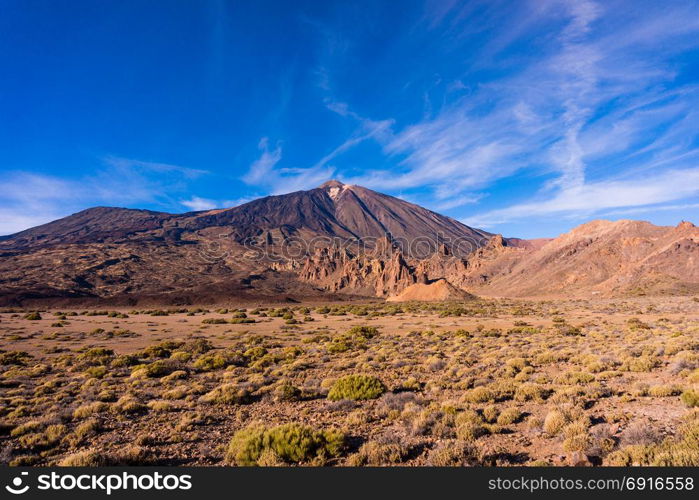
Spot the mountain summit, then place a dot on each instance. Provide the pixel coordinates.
(332, 210)
(338, 210)
(118, 252)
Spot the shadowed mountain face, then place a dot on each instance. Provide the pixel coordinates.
(127, 254)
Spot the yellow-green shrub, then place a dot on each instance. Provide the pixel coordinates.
(356, 387)
(291, 443)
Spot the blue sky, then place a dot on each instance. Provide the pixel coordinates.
(524, 118)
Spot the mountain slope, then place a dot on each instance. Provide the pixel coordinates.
(94, 225)
(304, 244)
(336, 210)
(604, 257)
(126, 254)
(333, 210)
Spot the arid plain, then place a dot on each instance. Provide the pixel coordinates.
(474, 382)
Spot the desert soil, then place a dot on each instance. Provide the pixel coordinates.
(489, 382)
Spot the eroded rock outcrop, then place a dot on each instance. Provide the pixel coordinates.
(385, 270)
(381, 272)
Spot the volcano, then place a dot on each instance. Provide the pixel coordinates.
(245, 251)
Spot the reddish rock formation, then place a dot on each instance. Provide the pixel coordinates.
(601, 257)
(386, 271)
(378, 273)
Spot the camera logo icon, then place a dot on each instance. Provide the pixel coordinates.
(16, 488)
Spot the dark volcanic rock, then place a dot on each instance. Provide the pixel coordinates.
(114, 253)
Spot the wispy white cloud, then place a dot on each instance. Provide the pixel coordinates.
(129, 165)
(457, 201)
(13, 220)
(30, 199)
(593, 112)
(265, 173)
(682, 207)
(197, 203)
(459, 151)
(261, 169)
(594, 197)
(597, 113)
(379, 130)
(296, 179)
(237, 201)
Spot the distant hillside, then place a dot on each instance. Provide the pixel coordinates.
(599, 258)
(608, 258)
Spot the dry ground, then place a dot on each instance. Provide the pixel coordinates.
(487, 382)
